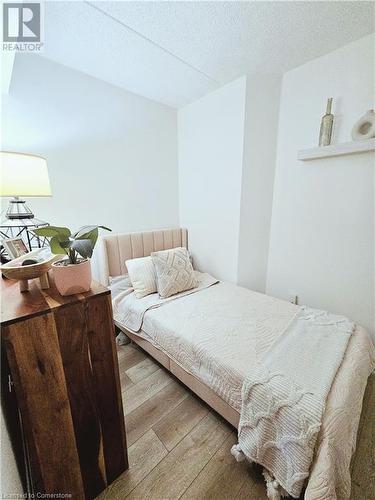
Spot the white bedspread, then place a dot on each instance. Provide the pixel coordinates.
(284, 395)
(221, 332)
(130, 311)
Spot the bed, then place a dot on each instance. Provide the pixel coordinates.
(196, 338)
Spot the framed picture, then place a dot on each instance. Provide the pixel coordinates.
(15, 247)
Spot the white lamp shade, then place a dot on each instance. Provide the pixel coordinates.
(23, 175)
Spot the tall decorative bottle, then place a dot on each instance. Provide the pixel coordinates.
(326, 126)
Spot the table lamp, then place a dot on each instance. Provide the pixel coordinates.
(22, 175)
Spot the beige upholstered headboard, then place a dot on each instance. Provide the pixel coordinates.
(115, 249)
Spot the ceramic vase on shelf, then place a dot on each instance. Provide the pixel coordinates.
(364, 128)
(326, 126)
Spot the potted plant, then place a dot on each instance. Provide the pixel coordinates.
(73, 273)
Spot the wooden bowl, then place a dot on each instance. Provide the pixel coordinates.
(14, 271)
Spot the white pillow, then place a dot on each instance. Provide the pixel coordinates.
(142, 275)
(174, 271)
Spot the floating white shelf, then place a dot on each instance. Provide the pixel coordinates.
(346, 148)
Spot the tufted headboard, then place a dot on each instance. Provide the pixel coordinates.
(115, 249)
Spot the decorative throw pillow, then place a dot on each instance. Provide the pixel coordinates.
(174, 272)
(142, 275)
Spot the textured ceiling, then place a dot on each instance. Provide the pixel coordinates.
(175, 52)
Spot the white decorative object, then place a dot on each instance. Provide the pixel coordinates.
(364, 128)
(346, 148)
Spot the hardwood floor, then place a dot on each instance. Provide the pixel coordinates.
(180, 448)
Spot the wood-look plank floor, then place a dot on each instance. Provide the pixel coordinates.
(180, 448)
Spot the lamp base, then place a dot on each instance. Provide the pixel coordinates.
(17, 209)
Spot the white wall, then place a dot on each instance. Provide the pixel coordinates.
(260, 139)
(112, 155)
(322, 236)
(227, 148)
(210, 152)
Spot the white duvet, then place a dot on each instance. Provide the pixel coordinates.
(219, 332)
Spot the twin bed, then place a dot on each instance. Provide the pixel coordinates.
(212, 336)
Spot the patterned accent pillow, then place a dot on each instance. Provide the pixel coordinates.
(174, 272)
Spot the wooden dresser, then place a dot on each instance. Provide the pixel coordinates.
(61, 392)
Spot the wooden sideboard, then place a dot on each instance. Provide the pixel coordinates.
(61, 393)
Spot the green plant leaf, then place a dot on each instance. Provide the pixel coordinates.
(50, 231)
(82, 230)
(88, 229)
(90, 233)
(83, 247)
(63, 238)
(63, 242)
(59, 247)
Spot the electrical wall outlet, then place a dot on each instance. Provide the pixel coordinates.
(293, 299)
